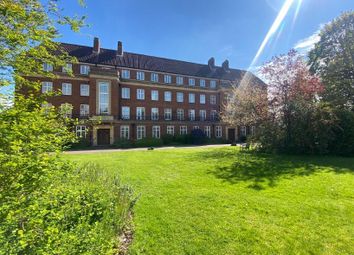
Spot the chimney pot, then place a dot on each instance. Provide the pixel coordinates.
(211, 63)
(120, 49)
(225, 65)
(96, 45)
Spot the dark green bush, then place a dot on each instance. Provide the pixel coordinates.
(80, 145)
(168, 139)
(123, 143)
(198, 137)
(80, 213)
(147, 142)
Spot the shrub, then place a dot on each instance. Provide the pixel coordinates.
(168, 139)
(147, 142)
(80, 213)
(80, 145)
(198, 136)
(123, 143)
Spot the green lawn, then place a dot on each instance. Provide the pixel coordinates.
(222, 201)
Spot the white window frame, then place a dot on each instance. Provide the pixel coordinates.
(154, 113)
(84, 109)
(154, 95)
(167, 96)
(140, 113)
(191, 98)
(179, 80)
(69, 110)
(47, 67)
(81, 131)
(125, 74)
(170, 130)
(156, 132)
(84, 69)
(154, 77)
(202, 99)
(167, 113)
(213, 115)
(101, 94)
(66, 89)
(47, 86)
(191, 114)
(180, 114)
(253, 130)
(202, 83)
(191, 82)
(207, 131)
(125, 93)
(183, 130)
(243, 131)
(67, 68)
(140, 94)
(124, 132)
(167, 78)
(202, 115)
(213, 99)
(179, 97)
(218, 131)
(84, 90)
(140, 75)
(213, 84)
(140, 132)
(125, 112)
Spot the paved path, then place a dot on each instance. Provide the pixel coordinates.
(145, 148)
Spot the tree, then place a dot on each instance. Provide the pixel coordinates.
(333, 60)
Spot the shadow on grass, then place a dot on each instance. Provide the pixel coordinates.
(264, 170)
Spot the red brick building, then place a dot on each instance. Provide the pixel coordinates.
(137, 96)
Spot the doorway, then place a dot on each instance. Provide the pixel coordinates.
(231, 135)
(103, 136)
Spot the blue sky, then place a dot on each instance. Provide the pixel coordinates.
(195, 30)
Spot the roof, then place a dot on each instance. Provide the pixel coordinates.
(139, 61)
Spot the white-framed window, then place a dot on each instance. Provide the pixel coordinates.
(167, 78)
(140, 132)
(66, 89)
(212, 99)
(179, 97)
(168, 96)
(125, 112)
(140, 113)
(202, 99)
(103, 97)
(202, 83)
(68, 68)
(81, 131)
(170, 130)
(47, 67)
(168, 114)
(84, 109)
(180, 114)
(156, 132)
(191, 82)
(126, 93)
(243, 131)
(191, 114)
(183, 130)
(212, 84)
(126, 74)
(195, 127)
(179, 80)
(66, 110)
(154, 95)
(46, 107)
(154, 77)
(191, 98)
(154, 113)
(124, 132)
(140, 75)
(213, 115)
(207, 131)
(202, 115)
(253, 130)
(84, 69)
(218, 131)
(140, 94)
(84, 90)
(47, 86)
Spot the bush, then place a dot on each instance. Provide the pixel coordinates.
(80, 213)
(198, 137)
(168, 139)
(123, 143)
(80, 145)
(147, 142)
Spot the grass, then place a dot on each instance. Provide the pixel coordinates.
(223, 201)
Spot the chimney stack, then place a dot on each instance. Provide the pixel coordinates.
(120, 49)
(211, 63)
(96, 45)
(225, 65)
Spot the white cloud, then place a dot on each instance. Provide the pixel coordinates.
(308, 43)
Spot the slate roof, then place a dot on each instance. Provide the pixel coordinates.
(139, 61)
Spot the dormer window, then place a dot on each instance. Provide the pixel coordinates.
(202, 83)
(125, 74)
(179, 80)
(191, 82)
(213, 84)
(84, 69)
(154, 77)
(68, 68)
(47, 67)
(140, 76)
(167, 78)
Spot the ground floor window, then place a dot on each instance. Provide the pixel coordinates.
(195, 127)
(81, 131)
(253, 130)
(218, 131)
(183, 130)
(140, 132)
(124, 132)
(243, 131)
(156, 131)
(170, 130)
(84, 109)
(207, 131)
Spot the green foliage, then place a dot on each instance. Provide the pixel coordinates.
(80, 212)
